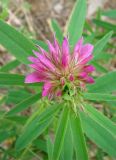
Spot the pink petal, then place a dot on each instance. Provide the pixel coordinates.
(36, 53)
(38, 67)
(83, 75)
(46, 89)
(33, 78)
(65, 52)
(86, 51)
(53, 51)
(84, 61)
(90, 80)
(71, 77)
(78, 45)
(59, 93)
(77, 49)
(33, 59)
(46, 62)
(89, 68)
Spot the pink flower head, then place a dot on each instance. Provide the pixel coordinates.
(59, 70)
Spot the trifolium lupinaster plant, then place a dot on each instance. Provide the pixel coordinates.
(67, 91)
(63, 73)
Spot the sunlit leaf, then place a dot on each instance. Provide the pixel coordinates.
(74, 27)
(60, 134)
(15, 42)
(99, 129)
(104, 84)
(78, 137)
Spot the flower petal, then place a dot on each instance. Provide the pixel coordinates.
(86, 51)
(33, 78)
(84, 61)
(65, 52)
(89, 68)
(46, 89)
(90, 80)
(77, 49)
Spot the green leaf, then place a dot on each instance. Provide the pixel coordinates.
(89, 38)
(11, 79)
(15, 42)
(103, 56)
(60, 134)
(34, 126)
(78, 137)
(15, 96)
(76, 22)
(110, 13)
(56, 29)
(11, 65)
(49, 148)
(99, 129)
(99, 46)
(67, 150)
(106, 83)
(14, 79)
(40, 144)
(99, 97)
(105, 24)
(99, 67)
(24, 104)
(41, 44)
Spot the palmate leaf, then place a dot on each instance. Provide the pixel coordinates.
(74, 26)
(15, 42)
(60, 134)
(104, 84)
(99, 129)
(35, 125)
(78, 137)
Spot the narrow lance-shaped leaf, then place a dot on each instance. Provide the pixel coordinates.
(24, 104)
(14, 79)
(11, 65)
(56, 29)
(35, 126)
(78, 137)
(110, 13)
(74, 26)
(104, 24)
(99, 67)
(67, 150)
(105, 83)
(99, 97)
(99, 129)
(60, 134)
(15, 42)
(99, 46)
(49, 148)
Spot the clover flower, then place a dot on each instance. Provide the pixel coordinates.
(61, 71)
